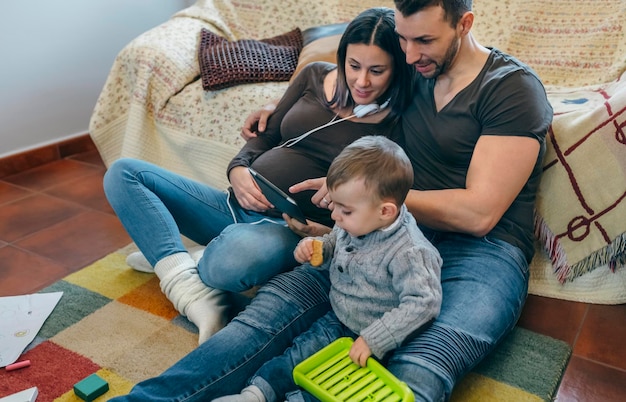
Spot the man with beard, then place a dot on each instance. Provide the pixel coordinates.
(475, 136)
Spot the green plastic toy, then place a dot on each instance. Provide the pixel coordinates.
(331, 376)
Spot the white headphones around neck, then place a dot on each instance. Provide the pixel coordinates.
(358, 111)
(372, 108)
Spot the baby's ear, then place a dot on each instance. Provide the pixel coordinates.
(388, 210)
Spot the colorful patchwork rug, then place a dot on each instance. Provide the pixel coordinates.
(115, 322)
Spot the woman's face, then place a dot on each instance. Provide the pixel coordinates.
(368, 72)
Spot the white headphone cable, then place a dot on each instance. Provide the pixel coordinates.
(232, 213)
(292, 141)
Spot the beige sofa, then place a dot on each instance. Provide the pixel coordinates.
(153, 107)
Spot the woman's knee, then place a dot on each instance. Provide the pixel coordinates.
(115, 175)
(246, 255)
(227, 273)
(113, 181)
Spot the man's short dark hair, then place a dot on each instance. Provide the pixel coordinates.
(453, 9)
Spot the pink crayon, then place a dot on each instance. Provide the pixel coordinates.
(18, 365)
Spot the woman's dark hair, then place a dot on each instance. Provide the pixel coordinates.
(376, 26)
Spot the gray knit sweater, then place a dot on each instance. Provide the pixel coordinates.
(386, 284)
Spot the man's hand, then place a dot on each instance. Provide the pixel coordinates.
(321, 198)
(256, 122)
(360, 351)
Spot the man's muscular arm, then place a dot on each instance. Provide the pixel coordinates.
(499, 168)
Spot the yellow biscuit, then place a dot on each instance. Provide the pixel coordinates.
(318, 253)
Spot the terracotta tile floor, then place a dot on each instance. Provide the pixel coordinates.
(54, 220)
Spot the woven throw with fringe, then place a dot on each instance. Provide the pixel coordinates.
(581, 206)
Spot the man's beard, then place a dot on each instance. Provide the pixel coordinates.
(444, 65)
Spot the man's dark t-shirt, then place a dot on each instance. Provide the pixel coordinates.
(506, 99)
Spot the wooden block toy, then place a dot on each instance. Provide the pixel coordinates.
(91, 387)
(331, 376)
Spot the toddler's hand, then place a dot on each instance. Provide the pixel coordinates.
(360, 351)
(304, 250)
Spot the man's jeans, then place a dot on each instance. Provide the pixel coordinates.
(156, 206)
(484, 284)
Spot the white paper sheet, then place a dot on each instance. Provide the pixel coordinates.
(21, 318)
(28, 395)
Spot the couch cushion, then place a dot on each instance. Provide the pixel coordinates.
(224, 63)
(320, 44)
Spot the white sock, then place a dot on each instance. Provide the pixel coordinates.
(196, 253)
(209, 313)
(251, 393)
(204, 306)
(139, 262)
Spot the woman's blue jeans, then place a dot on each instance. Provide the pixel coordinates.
(484, 282)
(244, 248)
